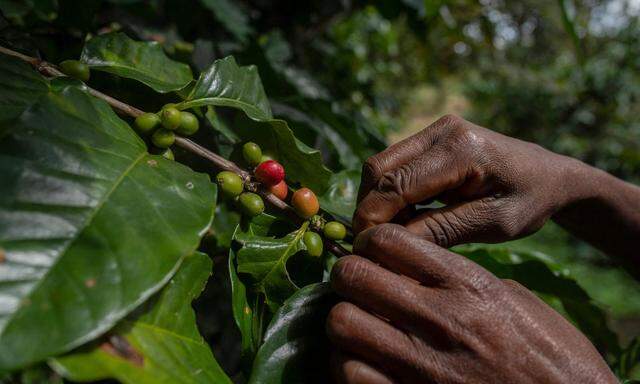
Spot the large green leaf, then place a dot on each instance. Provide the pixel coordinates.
(295, 346)
(20, 87)
(553, 283)
(340, 198)
(265, 258)
(142, 61)
(161, 334)
(226, 84)
(91, 225)
(231, 16)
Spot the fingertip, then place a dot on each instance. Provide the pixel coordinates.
(376, 237)
(346, 270)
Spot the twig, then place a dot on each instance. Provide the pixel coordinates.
(218, 161)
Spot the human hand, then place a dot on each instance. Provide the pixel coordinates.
(433, 316)
(496, 187)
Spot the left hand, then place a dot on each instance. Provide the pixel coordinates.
(436, 317)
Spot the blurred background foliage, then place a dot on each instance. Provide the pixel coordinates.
(351, 76)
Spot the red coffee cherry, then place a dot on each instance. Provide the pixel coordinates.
(270, 173)
(280, 190)
(305, 202)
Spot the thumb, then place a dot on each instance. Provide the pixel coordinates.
(487, 220)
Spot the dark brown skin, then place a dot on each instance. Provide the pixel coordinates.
(496, 188)
(427, 315)
(417, 313)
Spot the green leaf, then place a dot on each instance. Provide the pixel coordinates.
(91, 225)
(231, 16)
(295, 346)
(220, 125)
(528, 269)
(162, 339)
(244, 313)
(142, 61)
(264, 258)
(342, 194)
(226, 84)
(607, 282)
(628, 362)
(20, 87)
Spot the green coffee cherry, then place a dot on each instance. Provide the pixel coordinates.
(74, 68)
(163, 138)
(251, 204)
(265, 157)
(252, 153)
(146, 122)
(334, 230)
(167, 153)
(230, 183)
(313, 242)
(171, 117)
(188, 124)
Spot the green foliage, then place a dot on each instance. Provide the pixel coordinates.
(82, 195)
(20, 87)
(157, 336)
(92, 226)
(294, 348)
(264, 258)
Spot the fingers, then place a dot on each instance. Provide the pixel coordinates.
(393, 157)
(400, 176)
(349, 370)
(487, 220)
(411, 183)
(362, 334)
(408, 254)
(387, 294)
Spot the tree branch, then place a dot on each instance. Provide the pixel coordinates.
(218, 161)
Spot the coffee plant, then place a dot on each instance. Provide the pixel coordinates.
(132, 185)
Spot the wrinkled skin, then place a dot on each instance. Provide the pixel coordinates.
(417, 313)
(496, 188)
(427, 315)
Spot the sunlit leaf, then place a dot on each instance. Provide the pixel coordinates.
(144, 61)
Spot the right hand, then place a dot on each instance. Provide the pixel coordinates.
(496, 188)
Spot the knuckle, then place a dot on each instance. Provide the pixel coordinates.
(451, 120)
(440, 233)
(400, 182)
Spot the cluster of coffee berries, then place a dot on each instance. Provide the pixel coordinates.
(270, 174)
(172, 121)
